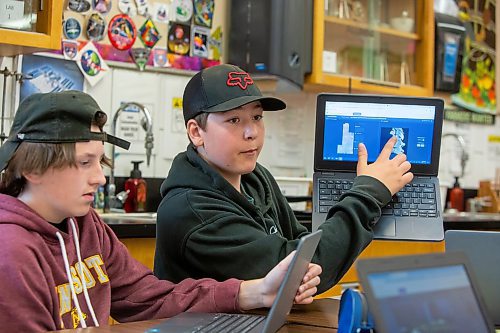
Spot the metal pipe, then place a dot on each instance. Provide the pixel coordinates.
(464, 157)
(146, 123)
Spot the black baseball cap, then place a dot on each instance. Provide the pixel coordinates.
(56, 118)
(223, 88)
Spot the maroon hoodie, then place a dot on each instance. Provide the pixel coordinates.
(35, 294)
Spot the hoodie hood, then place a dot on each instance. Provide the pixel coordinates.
(191, 172)
(14, 211)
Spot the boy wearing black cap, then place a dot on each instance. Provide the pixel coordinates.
(222, 213)
(61, 266)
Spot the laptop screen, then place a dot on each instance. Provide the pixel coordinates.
(343, 121)
(349, 123)
(435, 299)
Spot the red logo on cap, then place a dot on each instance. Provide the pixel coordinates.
(241, 79)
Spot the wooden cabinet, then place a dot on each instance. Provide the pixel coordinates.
(373, 46)
(383, 248)
(47, 33)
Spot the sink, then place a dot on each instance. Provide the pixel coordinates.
(129, 216)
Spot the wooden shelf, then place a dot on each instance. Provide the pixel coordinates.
(364, 26)
(341, 83)
(345, 38)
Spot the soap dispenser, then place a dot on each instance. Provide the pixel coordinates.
(136, 188)
(456, 197)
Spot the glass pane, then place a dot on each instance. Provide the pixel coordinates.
(371, 39)
(18, 14)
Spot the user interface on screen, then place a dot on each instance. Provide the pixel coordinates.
(438, 299)
(349, 123)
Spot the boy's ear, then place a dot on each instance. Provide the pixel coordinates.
(32, 177)
(194, 132)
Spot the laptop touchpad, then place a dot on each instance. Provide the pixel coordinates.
(385, 227)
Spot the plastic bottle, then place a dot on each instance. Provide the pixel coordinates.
(456, 197)
(136, 187)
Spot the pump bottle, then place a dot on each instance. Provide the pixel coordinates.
(136, 187)
(456, 197)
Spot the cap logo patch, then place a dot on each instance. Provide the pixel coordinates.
(241, 79)
(20, 136)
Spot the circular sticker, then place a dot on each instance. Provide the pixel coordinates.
(91, 63)
(72, 28)
(122, 32)
(95, 27)
(102, 6)
(79, 6)
(182, 9)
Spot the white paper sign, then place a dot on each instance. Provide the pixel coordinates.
(11, 10)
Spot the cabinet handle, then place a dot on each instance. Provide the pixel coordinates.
(40, 8)
(381, 83)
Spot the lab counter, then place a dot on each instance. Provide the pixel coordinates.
(143, 225)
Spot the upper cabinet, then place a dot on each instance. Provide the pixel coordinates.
(373, 46)
(30, 26)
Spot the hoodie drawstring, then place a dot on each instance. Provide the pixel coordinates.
(80, 271)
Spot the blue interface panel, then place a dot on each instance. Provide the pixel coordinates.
(349, 123)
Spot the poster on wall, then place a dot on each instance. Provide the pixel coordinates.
(477, 82)
(49, 75)
(200, 41)
(91, 64)
(203, 12)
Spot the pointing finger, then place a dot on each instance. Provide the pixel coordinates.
(387, 150)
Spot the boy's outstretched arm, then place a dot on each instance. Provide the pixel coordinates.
(394, 174)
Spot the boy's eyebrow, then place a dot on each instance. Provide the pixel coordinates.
(89, 155)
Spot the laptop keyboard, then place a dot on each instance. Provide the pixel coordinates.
(238, 323)
(412, 200)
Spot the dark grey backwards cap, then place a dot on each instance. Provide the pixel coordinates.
(56, 118)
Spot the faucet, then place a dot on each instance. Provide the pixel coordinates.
(464, 155)
(147, 124)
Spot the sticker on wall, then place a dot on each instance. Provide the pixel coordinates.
(182, 10)
(140, 56)
(199, 41)
(127, 7)
(148, 33)
(203, 12)
(177, 116)
(142, 7)
(215, 44)
(102, 6)
(69, 49)
(72, 28)
(96, 25)
(160, 57)
(79, 6)
(91, 64)
(160, 12)
(179, 38)
(122, 32)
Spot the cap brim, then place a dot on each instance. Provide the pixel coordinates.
(6, 151)
(268, 104)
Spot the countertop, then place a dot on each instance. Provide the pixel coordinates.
(143, 225)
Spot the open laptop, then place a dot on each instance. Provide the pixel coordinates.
(483, 251)
(424, 293)
(343, 121)
(217, 322)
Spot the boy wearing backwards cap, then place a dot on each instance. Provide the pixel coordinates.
(61, 266)
(222, 213)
